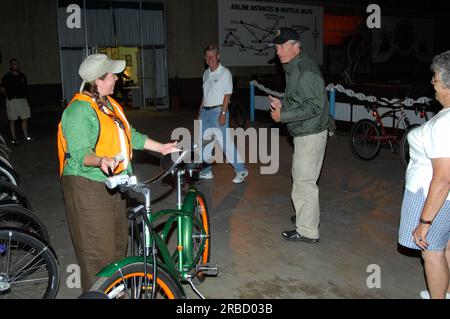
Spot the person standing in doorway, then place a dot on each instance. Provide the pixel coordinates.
(305, 112)
(14, 87)
(217, 90)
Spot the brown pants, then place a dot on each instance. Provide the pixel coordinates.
(97, 223)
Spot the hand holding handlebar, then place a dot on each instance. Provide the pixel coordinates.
(120, 180)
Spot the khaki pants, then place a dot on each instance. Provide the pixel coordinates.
(306, 166)
(98, 225)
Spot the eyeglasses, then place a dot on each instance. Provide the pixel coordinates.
(433, 80)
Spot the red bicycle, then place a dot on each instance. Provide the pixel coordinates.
(367, 136)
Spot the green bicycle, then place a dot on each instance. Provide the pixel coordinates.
(158, 271)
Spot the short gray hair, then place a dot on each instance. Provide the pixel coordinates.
(211, 48)
(296, 42)
(441, 65)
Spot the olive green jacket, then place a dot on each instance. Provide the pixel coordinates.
(305, 105)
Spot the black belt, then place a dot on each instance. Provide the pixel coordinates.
(212, 107)
(16, 97)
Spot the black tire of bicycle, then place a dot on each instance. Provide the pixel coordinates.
(107, 284)
(45, 251)
(32, 220)
(2, 140)
(7, 187)
(6, 161)
(4, 153)
(238, 114)
(404, 147)
(7, 173)
(352, 138)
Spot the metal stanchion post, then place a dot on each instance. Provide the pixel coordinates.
(252, 102)
(332, 102)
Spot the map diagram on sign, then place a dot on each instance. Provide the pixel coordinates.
(247, 28)
(262, 37)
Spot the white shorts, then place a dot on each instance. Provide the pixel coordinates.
(16, 108)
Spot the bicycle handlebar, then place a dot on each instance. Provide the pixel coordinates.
(120, 180)
(127, 181)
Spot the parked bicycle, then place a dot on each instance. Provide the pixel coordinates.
(28, 267)
(11, 194)
(28, 264)
(159, 271)
(4, 149)
(367, 137)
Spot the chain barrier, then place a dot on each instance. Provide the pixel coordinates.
(360, 96)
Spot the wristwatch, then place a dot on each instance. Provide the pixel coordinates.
(223, 113)
(426, 222)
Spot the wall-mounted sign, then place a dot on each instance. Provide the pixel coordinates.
(246, 29)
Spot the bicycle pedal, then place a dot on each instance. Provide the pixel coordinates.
(209, 271)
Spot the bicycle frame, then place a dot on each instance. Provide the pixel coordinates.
(385, 137)
(184, 217)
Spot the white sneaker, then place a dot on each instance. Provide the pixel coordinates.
(239, 178)
(206, 175)
(425, 294)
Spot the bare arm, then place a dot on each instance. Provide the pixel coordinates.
(103, 162)
(164, 149)
(226, 101)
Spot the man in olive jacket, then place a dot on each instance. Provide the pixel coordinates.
(305, 112)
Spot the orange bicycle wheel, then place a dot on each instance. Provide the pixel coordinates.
(128, 283)
(200, 232)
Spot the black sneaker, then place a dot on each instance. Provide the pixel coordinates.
(292, 235)
(15, 141)
(28, 139)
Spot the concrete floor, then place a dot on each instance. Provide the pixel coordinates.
(360, 205)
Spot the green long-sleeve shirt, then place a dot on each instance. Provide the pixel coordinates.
(305, 106)
(80, 127)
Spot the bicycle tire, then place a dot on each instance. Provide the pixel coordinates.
(5, 160)
(8, 174)
(25, 257)
(11, 194)
(238, 114)
(4, 153)
(24, 219)
(365, 140)
(131, 276)
(2, 141)
(404, 146)
(201, 212)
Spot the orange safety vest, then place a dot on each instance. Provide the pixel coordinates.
(112, 140)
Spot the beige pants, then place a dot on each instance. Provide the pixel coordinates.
(98, 225)
(16, 108)
(306, 166)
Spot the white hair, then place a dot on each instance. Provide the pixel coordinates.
(441, 65)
